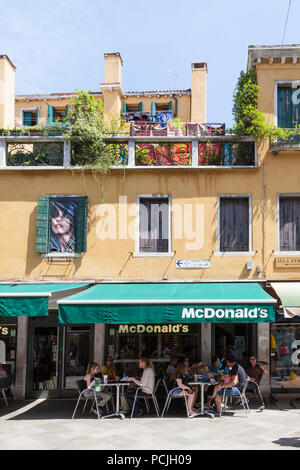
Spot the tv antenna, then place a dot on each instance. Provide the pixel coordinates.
(174, 77)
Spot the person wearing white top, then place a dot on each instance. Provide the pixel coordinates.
(146, 382)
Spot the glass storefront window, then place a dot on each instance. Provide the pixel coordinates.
(8, 346)
(77, 354)
(45, 358)
(285, 356)
(126, 343)
(234, 338)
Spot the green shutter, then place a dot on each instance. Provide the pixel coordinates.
(124, 108)
(67, 109)
(153, 109)
(81, 224)
(37, 116)
(42, 225)
(50, 114)
(27, 118)
(285, 107)
(170, 106)
(140, 107)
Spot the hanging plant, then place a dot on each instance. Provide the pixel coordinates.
(87, 129)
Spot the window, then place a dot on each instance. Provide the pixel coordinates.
(30, 117)
(61, 224)
(285, 357)
(154, 225)
(234, 224)
(289, 223)
(288, 106)
(57, 114)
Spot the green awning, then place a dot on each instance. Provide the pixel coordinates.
(169, 303)
(289, 294)
(30, 299)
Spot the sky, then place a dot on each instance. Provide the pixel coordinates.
(59, 45)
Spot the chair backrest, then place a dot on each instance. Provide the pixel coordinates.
(6, 382)
(81, 385)
(243, 391)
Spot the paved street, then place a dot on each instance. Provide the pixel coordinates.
(47, 424)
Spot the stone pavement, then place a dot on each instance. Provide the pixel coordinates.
(47, 424)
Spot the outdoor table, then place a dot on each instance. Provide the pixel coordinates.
(202, 386)
(117, 385)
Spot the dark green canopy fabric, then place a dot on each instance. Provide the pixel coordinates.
(169, 303)
(29, 299)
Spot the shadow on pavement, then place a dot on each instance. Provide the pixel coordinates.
(288, 442)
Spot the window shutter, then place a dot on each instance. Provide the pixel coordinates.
(153, 109)
(81, 224)
(37, 116)
(42, 225)
(170, 106)
(50, 114)
(140, 107)
(285, 107)
(27, 118)
(67, 110)
(124, 107)
(234, 224)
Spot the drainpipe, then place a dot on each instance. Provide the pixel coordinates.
(176, 104)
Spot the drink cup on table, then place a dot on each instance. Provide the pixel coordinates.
(105, 378)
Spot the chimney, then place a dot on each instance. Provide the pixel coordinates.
(112, 86)
(113, 64)
(7, 92)
(198, 99)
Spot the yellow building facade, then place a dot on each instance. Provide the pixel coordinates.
(198, 205)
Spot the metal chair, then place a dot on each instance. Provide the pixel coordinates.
(81, 385)
(256, 392)
(152, 396)
(161, 382)
(169, 398)
(241, 396)
(7, 383)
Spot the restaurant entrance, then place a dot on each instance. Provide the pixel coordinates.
(239, 339)
(57, 356)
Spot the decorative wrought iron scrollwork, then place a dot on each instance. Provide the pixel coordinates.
(37, 154)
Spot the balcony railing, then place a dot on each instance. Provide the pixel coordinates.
(141, 151)
(291, 144)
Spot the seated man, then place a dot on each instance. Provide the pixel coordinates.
(234, 385)
(255, 371)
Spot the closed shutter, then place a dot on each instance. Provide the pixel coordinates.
(285, 111)
(153, 109)
(81, 224)
(37, 116)
(154, 225)
(140, 107)
(42, 225)
(234, 224)
(289, 219)
(50, 114)
(124, 107)
(170, 106)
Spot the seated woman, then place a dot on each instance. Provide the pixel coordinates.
(179, 386)
(91, 379)
(147, 382)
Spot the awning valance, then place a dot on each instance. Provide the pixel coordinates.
(169, 303)
(289, 294)
(30, 299)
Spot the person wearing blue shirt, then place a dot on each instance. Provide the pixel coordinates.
(217, 364)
